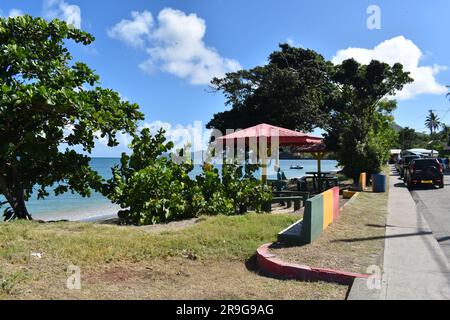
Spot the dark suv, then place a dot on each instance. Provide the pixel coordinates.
(404, 163)
(424, 171)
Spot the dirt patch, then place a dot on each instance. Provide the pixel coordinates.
(180, 279)
(157, 228)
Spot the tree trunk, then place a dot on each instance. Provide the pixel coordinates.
(20, 208)
(15, 196)
(17, 203)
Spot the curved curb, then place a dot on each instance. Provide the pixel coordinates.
(270, 264)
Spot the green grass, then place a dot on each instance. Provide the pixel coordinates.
(234, 238)
(141, 263)
(9, 281)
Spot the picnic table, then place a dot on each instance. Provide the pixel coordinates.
(320, 177)
(297, 197)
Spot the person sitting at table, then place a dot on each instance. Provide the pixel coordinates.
(280, 174)
(280, 177)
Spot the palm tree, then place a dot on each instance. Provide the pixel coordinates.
(432, 122)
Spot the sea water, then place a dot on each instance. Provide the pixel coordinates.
(74, 207)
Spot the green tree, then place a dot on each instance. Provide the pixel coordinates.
(408, 139)
(361, 120)
(445, 134)
(290, 91)
(48, 105)
(433, 123)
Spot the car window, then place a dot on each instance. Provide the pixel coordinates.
(409, 159)
(421, 164)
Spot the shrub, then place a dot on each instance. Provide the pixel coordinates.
(152, 188)
(235, 191)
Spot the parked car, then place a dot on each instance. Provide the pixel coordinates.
(406, 160)
(398, 165)
(424, 172)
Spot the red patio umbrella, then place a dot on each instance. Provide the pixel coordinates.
(285, 137)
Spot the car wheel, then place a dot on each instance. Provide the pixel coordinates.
(409, 186)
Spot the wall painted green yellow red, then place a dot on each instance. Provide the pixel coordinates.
(320, 212)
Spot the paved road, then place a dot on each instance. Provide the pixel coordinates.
(414, 266)
(434, 204)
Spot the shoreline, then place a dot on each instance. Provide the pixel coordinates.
(93, 214)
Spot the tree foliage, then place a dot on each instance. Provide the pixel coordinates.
(408, 138)
(290, 91)
(48, 105)
(360, 129)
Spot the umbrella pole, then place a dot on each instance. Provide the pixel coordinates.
(319, 163)
(264, 171)
(263, 156)
(319, 156)
(264, 166)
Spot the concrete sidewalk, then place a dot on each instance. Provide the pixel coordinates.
(414, 265)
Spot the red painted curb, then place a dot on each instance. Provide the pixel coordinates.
(269, 263)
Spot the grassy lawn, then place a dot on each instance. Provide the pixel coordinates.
(210, 259)
(353, 243)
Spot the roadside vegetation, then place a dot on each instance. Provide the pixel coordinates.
(437, 139)
(119, 262)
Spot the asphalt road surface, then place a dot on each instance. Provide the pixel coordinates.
(434, 204)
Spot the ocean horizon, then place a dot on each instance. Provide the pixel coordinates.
(74, 207)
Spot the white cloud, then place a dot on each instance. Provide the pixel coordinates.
(404, 51)
(13, 13)
(175, 45)
(193, 135)
(293, 43)
(62, 10)
(133, 32)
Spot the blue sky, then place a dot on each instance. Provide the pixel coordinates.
(152, 56)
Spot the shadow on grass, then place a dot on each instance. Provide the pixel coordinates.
(443, 239)
(252, 265)
(422, 233)
(378, 225)
(282, 245)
